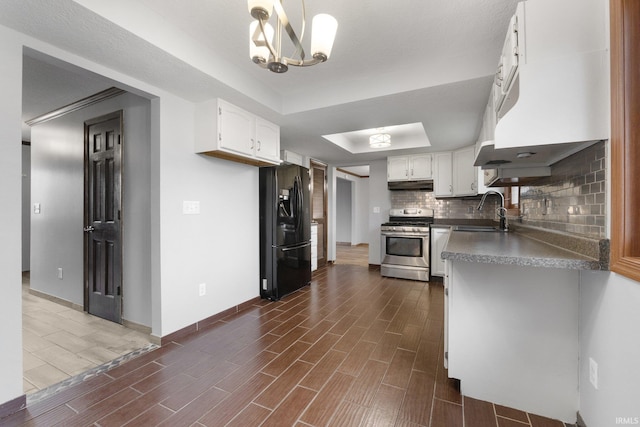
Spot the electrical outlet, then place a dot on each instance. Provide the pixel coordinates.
(593, 373)
(202, 290)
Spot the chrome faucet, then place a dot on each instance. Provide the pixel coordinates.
(502, 211)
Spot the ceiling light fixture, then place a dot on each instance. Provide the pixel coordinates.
(380, 140)
(267, 54)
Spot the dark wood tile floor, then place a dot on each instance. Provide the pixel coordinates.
(352, 349)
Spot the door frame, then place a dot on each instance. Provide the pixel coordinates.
(316, 164)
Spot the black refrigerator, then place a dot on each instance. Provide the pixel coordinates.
(285, 230)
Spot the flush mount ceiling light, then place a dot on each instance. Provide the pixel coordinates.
(268, 54)
(380, 140)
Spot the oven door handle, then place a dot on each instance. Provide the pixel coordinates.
(396, 234)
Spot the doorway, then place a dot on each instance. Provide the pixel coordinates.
(351, 200)
(319, 206)
(53, 294)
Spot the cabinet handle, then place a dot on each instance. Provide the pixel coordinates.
(406, 172)
(472, 185)
(259, 145)
(450, 188)
(412, 172)
(252, 144)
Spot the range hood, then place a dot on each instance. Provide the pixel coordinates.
(520, 165)
(422, 185)
(489, 157)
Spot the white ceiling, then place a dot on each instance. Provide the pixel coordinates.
(420, 61)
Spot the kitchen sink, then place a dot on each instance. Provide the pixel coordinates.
(485, 228)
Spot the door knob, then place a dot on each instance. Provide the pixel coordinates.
(88, 229)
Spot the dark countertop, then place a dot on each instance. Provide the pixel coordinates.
(515, 248)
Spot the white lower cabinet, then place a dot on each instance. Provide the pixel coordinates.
(439, 237)
(511, 335)
(314, 246)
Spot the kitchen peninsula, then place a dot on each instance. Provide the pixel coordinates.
(512, 316)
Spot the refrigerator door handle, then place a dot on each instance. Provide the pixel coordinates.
(292, 248)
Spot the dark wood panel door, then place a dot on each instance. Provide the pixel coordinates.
(319, 207)
(103, 209)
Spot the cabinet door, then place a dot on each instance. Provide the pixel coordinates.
(420, 167)
(442, 182)
(267, 140)
(465, 176)
(447, 297)
(397, 168)
(439, 238)
(236, 129)
(510, 55)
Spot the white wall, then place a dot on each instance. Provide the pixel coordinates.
(57, 237)
(10, 216)
(379, 199)
(219, 247)
(610, 334)
(26, 207)
(360, 209)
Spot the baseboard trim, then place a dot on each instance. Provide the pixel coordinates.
(204, 323)
(57, 300)
(126, 323)
(13, 406)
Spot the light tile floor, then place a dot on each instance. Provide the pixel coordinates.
(59, 343)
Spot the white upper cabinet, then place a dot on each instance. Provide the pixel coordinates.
(235, 129)
(465, 175)
(397, 168)
(507, 68)
(454, 173)
(267, 142)
(559, 90)
(409, 168)
(443, 174)
(420, 166)
(229, 132)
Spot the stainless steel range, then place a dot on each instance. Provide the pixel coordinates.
(405, 244)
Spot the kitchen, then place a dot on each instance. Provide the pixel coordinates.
(174, 110)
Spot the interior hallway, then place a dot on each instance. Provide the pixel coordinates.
(353, 348)
(60, 343)
(353, 255)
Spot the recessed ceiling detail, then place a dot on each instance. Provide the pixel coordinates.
(408, 136)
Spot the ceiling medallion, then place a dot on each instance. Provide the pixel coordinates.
(268, 54)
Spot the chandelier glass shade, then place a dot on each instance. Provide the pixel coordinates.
(380, 140)
(267, 52)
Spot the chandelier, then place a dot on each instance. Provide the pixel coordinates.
(380, 140)
(268, 54)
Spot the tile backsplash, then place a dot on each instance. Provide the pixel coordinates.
(445, 207)
(573, 198)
